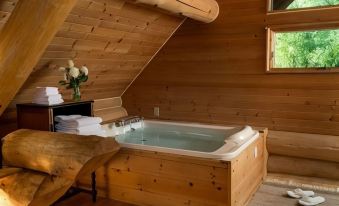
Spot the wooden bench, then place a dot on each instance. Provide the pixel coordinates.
(48, 164)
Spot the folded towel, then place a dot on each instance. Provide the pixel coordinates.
(47, 102)
(47, 90)
(48, 97)
(101, 133)
(60, 118)
(88, 128)
(81, 121)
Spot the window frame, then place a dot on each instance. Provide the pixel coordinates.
(270, 33)
(271, 11)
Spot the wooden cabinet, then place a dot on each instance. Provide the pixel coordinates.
(41, 117)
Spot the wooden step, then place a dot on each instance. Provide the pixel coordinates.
(85, 199)
(275, 195)
(312, 183)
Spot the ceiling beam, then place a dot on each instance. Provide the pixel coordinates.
(24, 38)
(200, 10)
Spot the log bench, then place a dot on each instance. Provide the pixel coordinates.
(42, 166)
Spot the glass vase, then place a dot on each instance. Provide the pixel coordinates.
(76, 94)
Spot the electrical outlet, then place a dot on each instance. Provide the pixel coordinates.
(156, 111)
(255, 152)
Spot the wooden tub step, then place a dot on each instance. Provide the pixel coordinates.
(312, 183)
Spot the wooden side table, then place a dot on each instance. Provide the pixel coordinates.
(41, 117)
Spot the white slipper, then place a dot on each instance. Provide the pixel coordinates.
(309, 201)
(299, 193)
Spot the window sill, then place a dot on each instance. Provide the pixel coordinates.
(316, 8)
(302, 70)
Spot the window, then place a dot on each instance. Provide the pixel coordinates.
(300, 4)
(303, 50)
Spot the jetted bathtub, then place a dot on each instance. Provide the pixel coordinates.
(197, 140)
(178, 164)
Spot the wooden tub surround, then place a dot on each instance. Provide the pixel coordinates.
(150, 178)
(267, 195)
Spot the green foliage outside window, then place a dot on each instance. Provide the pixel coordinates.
(307, 49)
(296, 4)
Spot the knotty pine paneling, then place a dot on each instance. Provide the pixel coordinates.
(6, 8)
(6, 121)
(114, 39)
(215, 73)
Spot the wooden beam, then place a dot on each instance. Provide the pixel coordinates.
(201, 10)
(24, 38)
(303, 145)
(303, 167)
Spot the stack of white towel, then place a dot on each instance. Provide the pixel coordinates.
(48, 96)
(81, 125)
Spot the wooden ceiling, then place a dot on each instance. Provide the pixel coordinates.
(6, 8)
(23, 40)
(114, 39)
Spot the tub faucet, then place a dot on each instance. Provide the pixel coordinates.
(128, 120)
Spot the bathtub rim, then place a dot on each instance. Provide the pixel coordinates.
(217, 154)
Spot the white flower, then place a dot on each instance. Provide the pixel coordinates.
(70, 63)
(74, 72)
(62, 69)
(65, 76)
(84, 70)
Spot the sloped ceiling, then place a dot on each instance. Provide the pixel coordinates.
(114, 39)
(6, 7)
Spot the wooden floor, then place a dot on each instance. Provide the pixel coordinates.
(85, 199)
(267, 195)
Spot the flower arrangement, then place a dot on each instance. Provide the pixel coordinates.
(73, 77)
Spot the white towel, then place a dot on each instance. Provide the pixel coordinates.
(81, 121)
(101, 133)
(60, 118)
(88, 128)
(47, 102)
(47, 97)
(47, 90)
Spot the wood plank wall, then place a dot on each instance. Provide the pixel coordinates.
(109, 109)
(215, 73)
(6, 8)
(113, 38)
